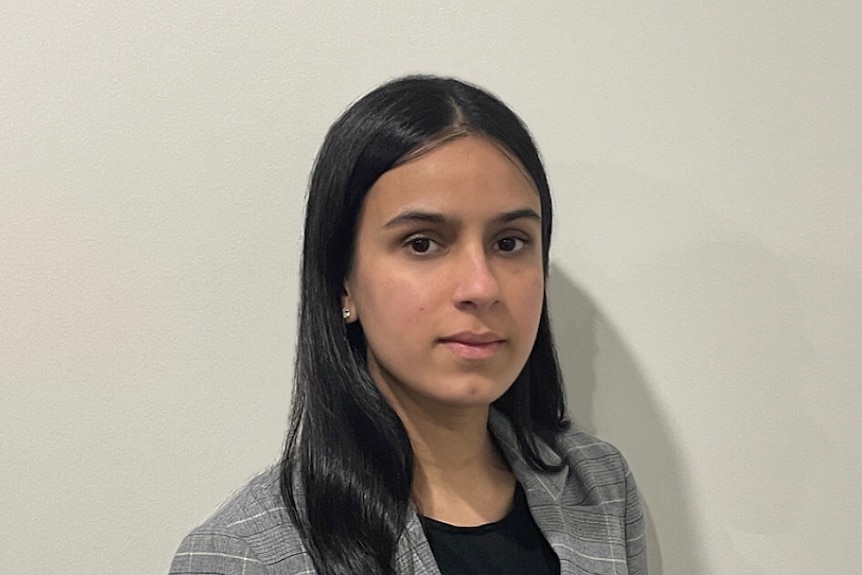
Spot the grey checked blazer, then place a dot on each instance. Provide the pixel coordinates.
(589, 512)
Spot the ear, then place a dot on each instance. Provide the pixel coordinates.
(348, 308)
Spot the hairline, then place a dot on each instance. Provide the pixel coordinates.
(458, 132)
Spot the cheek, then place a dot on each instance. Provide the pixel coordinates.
(533, 296)
(532, 287)
(392, 301)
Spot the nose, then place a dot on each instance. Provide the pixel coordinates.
(476, 284)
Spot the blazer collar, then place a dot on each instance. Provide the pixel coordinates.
(543, 489)
(551, 483)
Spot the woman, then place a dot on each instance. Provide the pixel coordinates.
(429, 432)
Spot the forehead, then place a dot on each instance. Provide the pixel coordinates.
(468, 176)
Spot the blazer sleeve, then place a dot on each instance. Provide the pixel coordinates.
(636, 557)
(202, 553)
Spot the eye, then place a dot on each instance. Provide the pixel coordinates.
(421, 245)
(510, 244)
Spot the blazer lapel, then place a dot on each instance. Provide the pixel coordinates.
(414, 552)
(585, 538)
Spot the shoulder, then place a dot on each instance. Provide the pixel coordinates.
(597, 469)
(583, 449)
(575, 449)
(591, 470)
(251, 533)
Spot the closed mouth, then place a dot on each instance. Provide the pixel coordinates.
(473, 346)
(473, 338)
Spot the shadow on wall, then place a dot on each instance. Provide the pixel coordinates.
(589, 345)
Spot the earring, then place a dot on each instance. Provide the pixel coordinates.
(345, 313)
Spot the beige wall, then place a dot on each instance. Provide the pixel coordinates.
(707, 280)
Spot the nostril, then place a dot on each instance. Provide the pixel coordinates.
(478, 285)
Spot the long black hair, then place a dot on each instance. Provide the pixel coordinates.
(347, 469)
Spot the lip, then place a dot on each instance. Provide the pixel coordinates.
(473, 345)
(473, 338)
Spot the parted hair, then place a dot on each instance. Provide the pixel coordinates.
(347, 467)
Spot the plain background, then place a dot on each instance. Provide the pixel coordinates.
(707, 264)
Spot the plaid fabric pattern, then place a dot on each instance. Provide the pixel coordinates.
(589, 512)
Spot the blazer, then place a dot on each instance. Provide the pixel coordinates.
(588, 511)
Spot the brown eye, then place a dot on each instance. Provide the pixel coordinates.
(420, 245)
(510, 244)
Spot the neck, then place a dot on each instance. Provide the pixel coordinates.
(459, 475)
(452, 442)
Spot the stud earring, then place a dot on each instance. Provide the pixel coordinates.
(345, 313)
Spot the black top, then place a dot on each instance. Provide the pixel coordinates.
(511, 546)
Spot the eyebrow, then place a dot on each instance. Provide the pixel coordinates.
(415, 216)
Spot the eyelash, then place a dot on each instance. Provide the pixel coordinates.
(410, 244)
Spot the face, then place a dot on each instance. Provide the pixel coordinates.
(447, 278)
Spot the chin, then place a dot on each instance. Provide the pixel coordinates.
(474, 394)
